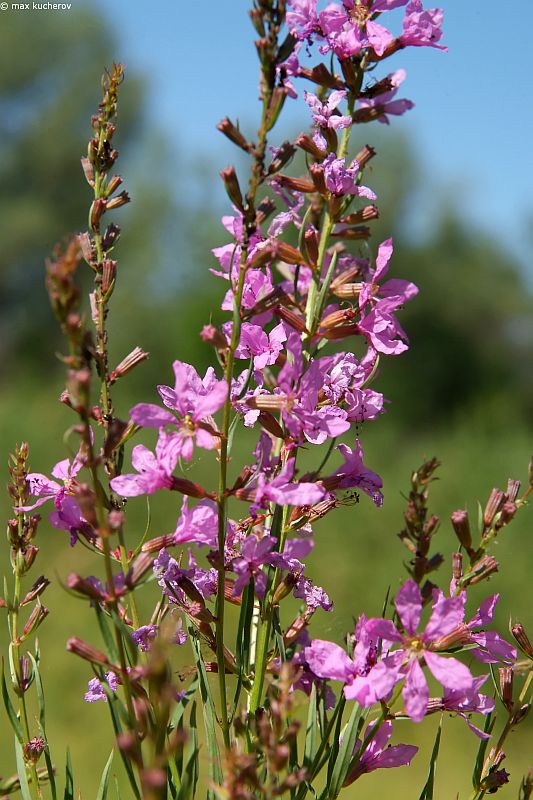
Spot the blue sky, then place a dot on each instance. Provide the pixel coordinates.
(472, 125)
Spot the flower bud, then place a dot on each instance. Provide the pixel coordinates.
(506, 677)
(87, 652)
(281, 156)
(98, 208)
(113, 185)
(36, 590)
(88, 171)
(461, 527)
(494, 504)
(363, 156)
(118, 201)
(128, 363)
(522, 640)
(233, 133)
(305, 143)
(285, 587)
(37, 616)
(231, 183)
(110, 237)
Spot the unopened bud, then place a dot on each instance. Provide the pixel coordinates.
(461, 527)
(295, 321)
(298, 184)
(231, 183)
(37, 616)
(364, 156)
(310, 245)
(113, 185)
(88, 171)
(189, 488)
(494, 504)
(319, 182)
(86, 651)
(513, 487)
(30, 554)
(36, 590)
(98, 208)
(365, 214)
(233, 133)
(522, 639)
(286, 252)
(156, 544)
(457, 567)
(84, 587)
(120, 200)
(128, 363)
(285, 587)
(353, 234)
(305, 143)
(482, 570)
(109, 274)
(213, 336)
(142, 564)
(506, 677)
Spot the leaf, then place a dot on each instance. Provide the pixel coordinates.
(208, 708)
(107, 636)
(39, 691)
(311, 730)
(125, 632)
(11, 713)
(146, 529)
(342, 762)
(116, 710)
(21, 771)
(490, 722)
(427, 791)
(325, 286)
(50, 770)
(104, 781)
(189, 775)
(69, 778)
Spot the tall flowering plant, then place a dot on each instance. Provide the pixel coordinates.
(312, 318)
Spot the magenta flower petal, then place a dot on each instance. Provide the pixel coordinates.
(151, 416)
(328, 660)
(447, 615)
(450, 672)
(409, 606)
(415, 692)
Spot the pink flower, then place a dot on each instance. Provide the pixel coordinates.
(255, 553)
(265, 348)
(44, 489)
(195, 399)
(353, 474)
(386, 103)
(446, 617)
(154, 470)
(422, 28)
(324, 113)
(341, 180)
(302, 19)
(350, 28)
(379, 754)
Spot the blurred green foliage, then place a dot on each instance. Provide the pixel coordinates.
(463, 392)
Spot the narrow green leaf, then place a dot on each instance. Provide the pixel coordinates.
(131, 647)
(427, 791)
(11, 713)
(208, 708)
(39, 690)
(116, 710)
(490, 722)
(311, 730)
(278, 633)
(50, 770)
(189, 776)
(69, 778)
(342, 762)
(104, 781)
(184, 702)
(107, 636)
(21, 771)
(325, 286)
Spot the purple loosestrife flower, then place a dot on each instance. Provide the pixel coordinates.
(324, 113)
(44, 489)
(154, 470)
(446, 617)
(387, 103)
(282, 491)
(67, 517)
(382, 330)
(350, 28)
(422, 28)
(170, 574)
(379, 754)
(265, 348)
(341, 180)
(144, 636)
(95, 689)
(491, 649)
(255, 553)
(302, 19)
(366, 679)
(195, 399)
(465, 704)
(396, 291)
(197, 525)
(353, 474)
